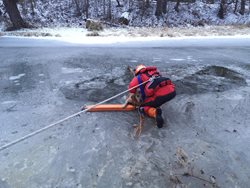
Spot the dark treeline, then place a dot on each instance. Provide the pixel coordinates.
(105, 8)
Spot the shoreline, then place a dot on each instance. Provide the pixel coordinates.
(121, 42)
(133, 32)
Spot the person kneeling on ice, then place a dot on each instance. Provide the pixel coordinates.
(155, 92)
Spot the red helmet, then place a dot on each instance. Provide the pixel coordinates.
(138, 68)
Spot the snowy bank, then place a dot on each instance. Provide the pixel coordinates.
(128, 42)
(79, 33)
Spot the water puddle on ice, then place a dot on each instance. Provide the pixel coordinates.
(156, 59)
(66, 70)
(133, 61)
(17, 76)
(178, 59)
(9, 102)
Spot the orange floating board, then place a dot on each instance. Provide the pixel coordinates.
(110, 108)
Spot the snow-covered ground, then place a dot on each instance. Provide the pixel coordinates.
(81, 34)
(57, 13)
(57, 19)
(129, 42)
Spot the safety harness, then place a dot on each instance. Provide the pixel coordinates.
(141, 88)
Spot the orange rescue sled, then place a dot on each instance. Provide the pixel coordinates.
(109, 108)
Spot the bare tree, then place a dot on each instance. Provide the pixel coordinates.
(104, 8)
(158, 11)
(177, 6)
(164, 6)
(109, 14)
(33, 4)
(142, 7)
(249, 6)
(222, 9)
(161, 7)
(96, 7)
(236, 6)
(86, 8)
(78, 9)
(118, 3)
(242, 7)
(14, 14)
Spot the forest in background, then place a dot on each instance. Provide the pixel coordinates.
(16, 14)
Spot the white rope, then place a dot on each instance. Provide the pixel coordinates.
(62, 120)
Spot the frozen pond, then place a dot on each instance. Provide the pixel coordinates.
(205, 141)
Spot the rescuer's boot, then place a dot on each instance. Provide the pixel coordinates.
(157, 114)
(159, 119)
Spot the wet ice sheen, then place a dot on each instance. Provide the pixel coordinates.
(177, 59)
(66, 70)
(17, 77)
(9, 102)
(197, 123)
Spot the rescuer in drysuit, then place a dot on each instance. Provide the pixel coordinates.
(154, 93)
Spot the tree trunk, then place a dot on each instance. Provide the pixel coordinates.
(222, 10)
(118, 3)
(87, 9)
(32, 3)
(236, 6)
(78, 11)
(14, 14)
(158, 11)
(177, 6)
(147, 3)
(109, 16)
(164, 6)
(104, 8)
(242, 7)
(249, 6)
(142, 7)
